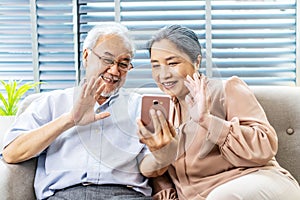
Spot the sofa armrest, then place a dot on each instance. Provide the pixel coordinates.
(16, 180)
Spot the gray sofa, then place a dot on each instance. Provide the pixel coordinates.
(281, 104)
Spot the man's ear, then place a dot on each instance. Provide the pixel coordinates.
(84, 56)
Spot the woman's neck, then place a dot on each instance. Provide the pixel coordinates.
(181, 113)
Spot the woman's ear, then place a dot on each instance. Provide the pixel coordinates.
(198, 62)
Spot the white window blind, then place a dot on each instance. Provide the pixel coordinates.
(255, 40)
(37, 42)
(56, 60)
(143, 18)
(15, 40)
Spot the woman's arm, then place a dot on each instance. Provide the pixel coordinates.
(163, 144)
(244, 135)
(247, 138)
(149, 167)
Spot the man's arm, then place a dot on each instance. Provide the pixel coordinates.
(30, 144)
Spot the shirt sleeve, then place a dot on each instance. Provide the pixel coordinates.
(245, 137)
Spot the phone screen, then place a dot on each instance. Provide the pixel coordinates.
(156, 102)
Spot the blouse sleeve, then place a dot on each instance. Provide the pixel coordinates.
(245, 137)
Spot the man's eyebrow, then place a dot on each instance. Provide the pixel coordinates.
(126, 59)
(111, 55)
(108, 54)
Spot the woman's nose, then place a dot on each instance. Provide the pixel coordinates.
(164, 72)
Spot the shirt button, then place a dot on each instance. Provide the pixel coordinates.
(290, 131)
(98, 110)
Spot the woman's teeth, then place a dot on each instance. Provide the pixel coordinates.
(167, 84)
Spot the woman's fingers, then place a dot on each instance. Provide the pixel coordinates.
(172, 129)
(163, 131)
(155, 121)
(189, 100)
(189, 84)
(165, 128)
(143, 132)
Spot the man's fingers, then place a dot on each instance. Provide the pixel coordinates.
(89, 87)
(96, 84)
(82, 90)
(101, 115)
(99, 91)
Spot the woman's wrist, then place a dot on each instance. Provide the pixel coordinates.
(167, 154)
(205, 121)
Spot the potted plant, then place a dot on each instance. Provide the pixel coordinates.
(9, 99)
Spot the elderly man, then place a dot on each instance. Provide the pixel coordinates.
(85, 137)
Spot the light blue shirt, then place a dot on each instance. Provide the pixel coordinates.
(105, 152)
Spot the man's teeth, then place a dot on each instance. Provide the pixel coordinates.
(107, 79)
(111, 79)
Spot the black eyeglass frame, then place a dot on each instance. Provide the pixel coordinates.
(111, 62)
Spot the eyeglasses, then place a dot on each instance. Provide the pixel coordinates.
(122, 65)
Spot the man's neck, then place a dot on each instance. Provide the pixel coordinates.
(101, 100)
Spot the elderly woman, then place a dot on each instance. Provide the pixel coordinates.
(218, 143)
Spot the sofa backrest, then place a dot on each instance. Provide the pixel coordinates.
(283, 111)
(281, 104)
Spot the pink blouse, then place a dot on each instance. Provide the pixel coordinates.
(240, 140)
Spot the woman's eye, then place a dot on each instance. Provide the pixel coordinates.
(155, 65)
(173, 64)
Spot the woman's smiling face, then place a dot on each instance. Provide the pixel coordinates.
(170, 68)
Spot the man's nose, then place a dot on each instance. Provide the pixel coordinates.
(114, 69)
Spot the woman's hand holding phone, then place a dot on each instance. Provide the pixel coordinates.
(154, 128)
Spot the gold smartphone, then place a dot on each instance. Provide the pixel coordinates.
(156, 102)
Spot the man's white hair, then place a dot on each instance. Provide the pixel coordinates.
(101, 30)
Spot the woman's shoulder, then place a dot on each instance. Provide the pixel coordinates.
(235, 83)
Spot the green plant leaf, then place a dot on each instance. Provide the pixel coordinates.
(14, 92)
(2, 112)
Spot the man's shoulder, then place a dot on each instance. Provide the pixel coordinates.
(130, 93)
(58, 93)
(62, 95)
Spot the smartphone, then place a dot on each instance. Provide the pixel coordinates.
(156, 102)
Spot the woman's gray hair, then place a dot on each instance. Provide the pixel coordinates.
(184, 39)
(101, 30)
